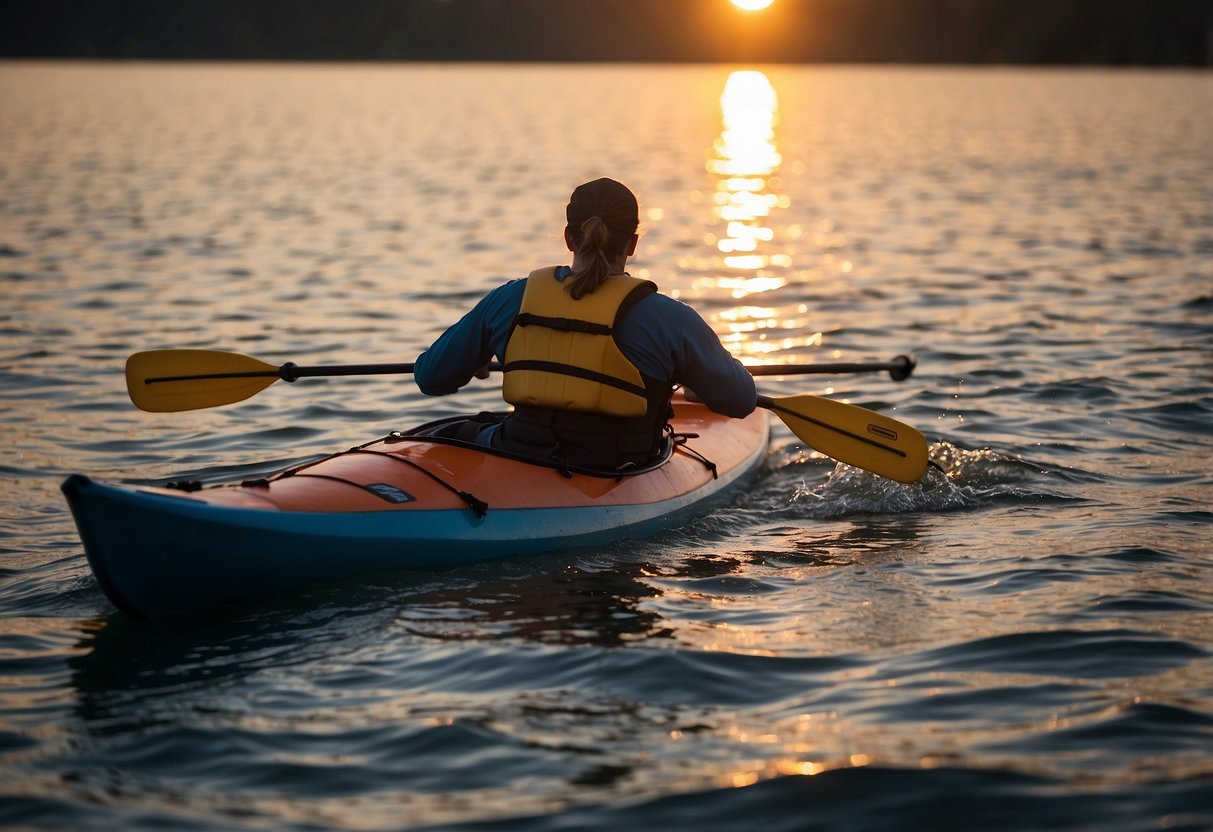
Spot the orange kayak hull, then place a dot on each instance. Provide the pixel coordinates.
(400, 502)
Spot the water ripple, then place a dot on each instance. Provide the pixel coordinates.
(1019, 641)
(1085, 654)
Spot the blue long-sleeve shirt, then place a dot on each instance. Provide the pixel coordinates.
(663, 337)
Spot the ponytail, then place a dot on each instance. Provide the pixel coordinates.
(592, 240)
(602, 218)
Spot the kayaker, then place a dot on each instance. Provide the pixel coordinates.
(591, 355)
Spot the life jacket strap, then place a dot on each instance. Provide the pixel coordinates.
(562, 324)
(576, 372)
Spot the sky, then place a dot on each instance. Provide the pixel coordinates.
(1108, 32)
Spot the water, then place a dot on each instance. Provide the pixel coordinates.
(1024, 643)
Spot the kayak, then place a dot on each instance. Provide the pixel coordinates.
(416, 499)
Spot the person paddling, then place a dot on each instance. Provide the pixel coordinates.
(590, 354)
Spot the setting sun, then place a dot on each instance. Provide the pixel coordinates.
(752, 5)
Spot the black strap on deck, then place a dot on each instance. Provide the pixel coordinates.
(479, 507)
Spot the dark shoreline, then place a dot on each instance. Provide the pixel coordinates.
(975, 32)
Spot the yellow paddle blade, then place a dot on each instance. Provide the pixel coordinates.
(854, 435)
(165, 381)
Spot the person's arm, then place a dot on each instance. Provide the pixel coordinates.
(712, 373)
(467, 346)
(667, 339)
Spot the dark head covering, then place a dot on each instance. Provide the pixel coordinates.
(608, 199)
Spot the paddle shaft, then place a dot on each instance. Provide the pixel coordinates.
(290, 371)
(898, 369)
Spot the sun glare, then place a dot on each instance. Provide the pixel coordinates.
(752, 5)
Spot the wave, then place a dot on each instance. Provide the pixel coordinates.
(870, 798)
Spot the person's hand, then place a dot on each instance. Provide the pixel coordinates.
(691, 396)
(483, 372)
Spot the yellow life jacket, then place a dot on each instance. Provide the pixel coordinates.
(562, 353)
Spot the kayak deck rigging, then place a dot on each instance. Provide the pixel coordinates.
(432, 433)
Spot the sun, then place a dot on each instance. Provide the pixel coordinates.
(752, 5)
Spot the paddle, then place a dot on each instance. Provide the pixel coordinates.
(165, 381)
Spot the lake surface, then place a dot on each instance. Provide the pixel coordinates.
(1024, 643)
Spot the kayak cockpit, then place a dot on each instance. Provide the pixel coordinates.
(453, 430)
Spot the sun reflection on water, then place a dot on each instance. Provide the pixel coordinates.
(753, 251)
(746, 162)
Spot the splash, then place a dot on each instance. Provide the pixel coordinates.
(982, 469)
(958, 479)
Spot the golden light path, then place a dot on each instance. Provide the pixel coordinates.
(745, 163)
(746, 159)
